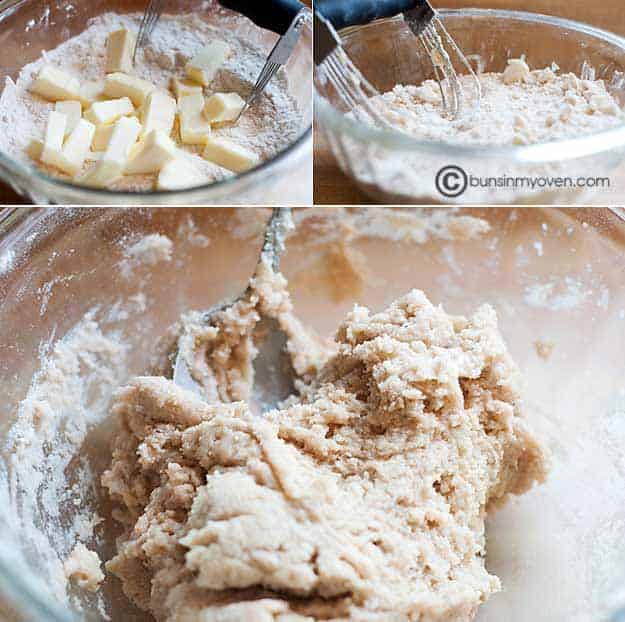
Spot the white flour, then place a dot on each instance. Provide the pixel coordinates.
(147, 251)
(49, 480)
(272, 123)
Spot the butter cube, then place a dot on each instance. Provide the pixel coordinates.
(73, 111)
(223, 107)
(112, 164)
(179, 174)
(184, 88)
(55, 85)
(106, 112)
(125, 134)
(159, 113)
(152, 153)
(34, 149)
(194, 128)
(53, 140)
(207, 62)
(123, 85)
(76, 148)
(124, 137)
(102, 137)
(101, 174)
(230, 155)
(120, 46)
(91, 91)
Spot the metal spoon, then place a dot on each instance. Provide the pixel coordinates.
(274, 375)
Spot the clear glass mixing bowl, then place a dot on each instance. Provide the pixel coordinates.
(396, 169)
(28, 27)
(554, 276)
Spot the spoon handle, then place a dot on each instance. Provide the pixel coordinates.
(274, 15)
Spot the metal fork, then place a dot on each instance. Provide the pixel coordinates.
(148, 23)
(278, 58)
(284, 17)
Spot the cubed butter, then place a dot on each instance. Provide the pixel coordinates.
(184, 88)
(123, 85)
(152, 153)
(203, 67)
(194, 128)
(91, 91)
(55, 85)
(102, 137)
(73, 111)
(113, 162)
(101, 174)
(179, 174)
(120, 46)
(53, 140)
(223, 107)
(109, 111)
(76, 148)
(159, 113)
(230, 155)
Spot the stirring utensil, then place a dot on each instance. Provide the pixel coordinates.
(274, 376)
(284, 17)
(352, 87)
(150, 18)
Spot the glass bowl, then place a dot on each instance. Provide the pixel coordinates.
(394, 168)
(555, 278)
(28, 27)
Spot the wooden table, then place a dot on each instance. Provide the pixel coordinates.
(8, 197)
(332, 187)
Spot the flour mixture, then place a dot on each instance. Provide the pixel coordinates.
(178, 102)
(518, 107)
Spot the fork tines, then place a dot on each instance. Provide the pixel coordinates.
(268, 72)
(148, 23)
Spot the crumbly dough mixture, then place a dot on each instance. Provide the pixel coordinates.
(363, 499)
(519, 106)
(83, 567)
(267, 128)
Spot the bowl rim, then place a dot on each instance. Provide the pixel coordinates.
(28, 171)
(568, 149)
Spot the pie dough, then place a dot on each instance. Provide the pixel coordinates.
(362, 499)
